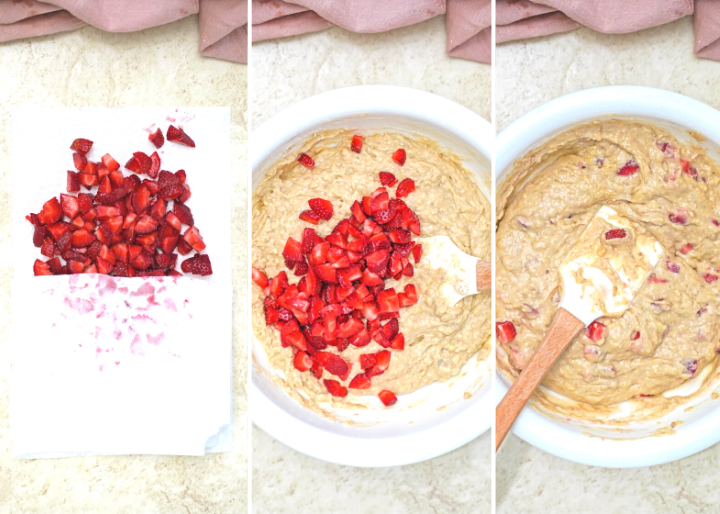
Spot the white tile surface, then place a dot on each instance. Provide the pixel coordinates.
(530, 73)
(284, 72)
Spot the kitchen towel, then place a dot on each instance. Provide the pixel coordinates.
(223, 23)
(522, 19)
(106, 365)
(467, 22)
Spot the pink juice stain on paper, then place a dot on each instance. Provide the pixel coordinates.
(104, 298)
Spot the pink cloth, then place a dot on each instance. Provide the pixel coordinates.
(468, 21)
(707, 29)
(223, 23)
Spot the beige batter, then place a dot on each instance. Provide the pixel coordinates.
(439, 339)
(677, 314)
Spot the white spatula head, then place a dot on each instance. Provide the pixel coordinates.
(607, 267)
(459, 281)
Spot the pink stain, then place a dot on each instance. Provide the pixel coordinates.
(146, 289)
(109, 286)
(136, 346)
(171, 120)
(155, 340)
(169, 304)
(81, 305)
(143, 317)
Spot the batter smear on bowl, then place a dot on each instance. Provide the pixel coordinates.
(671, 331)
(343, 304)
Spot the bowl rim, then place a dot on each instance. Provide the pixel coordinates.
(428, 442)
(514, 141)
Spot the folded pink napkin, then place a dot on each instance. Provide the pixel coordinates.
(468, 21)
(707, 29)
(223, 23)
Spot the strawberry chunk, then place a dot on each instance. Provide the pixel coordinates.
(356, 144)
(293, 250)
(686, 249)
(334, 388)
(387, 398)
(80, 161)
(41, 268)
(616, 233)
(709, 277)
(306, 160)
(199, 264)
(259, 278)
(310, 216)
(361, 381)
(144, 162)
(629, 168)
(302, 361)
(157, 138)
(178, 135)
(81, 146)
(387, 178)
(595, 331)
(505, 331)
(680, 216)
(321, 207)
(673, 267)
(399, 156)
(405, 187)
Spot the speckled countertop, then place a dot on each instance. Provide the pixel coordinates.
(530, 73)
(284, 72)
(91, 68)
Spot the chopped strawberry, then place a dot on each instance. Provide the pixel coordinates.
(361, 381)
(616, 233)
(310, 216)
(387, 179)
(505, 331)
(183, 213)
(673, 267)
(178, 135)
(367, 360)
(709, 277)
(387, 398)
(322, 208)
(41, 268)
(356, 144)
(302, 361)
(417, 252)
(110, 163)
(293, 250)
(680, 216)
(595, 331)
(73, 182)
(259, 278)
(405, 187)
(80, 161)
(306, 160)
(686, 249)
(689, 170)
(399, 156)
(157, 138)
(198, 265)
(145, 225)
(629, 168)
(334, 388)
(82, 146)
(193, 238)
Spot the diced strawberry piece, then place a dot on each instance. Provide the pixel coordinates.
(334, 388)
(360, 381)
(178, 135)
(302, 361)
(133, 165)
(51, 211)
(688, 170)
(73, 182)
(399, 156)
(657, 280)
(75, 267)
(82, 238)
(357, 211)
(387, 398)
(297, 340)
(326, 273)
(173, 221)
(69, 206)
(82, 146)
(388, 300)
(505, 331)
(350, 328)
(192, 237)
(398, 342)
(399, 236)
(709, 277)
(391, 329)
(198, 265)
(144, 162)
(41, 268)
(278, 285)
(110, 163)
(183, 213)
(121, 252)
(635, 336)
(145, 225)
(310, 216)
(673, 267)
(154, 166)
(595, 331)
(293, 250)
(91, 168)
(337, 239)
(259, 278)
(48, 247)
(172, 191)
(405, 187)
(80, 161)
(103, 266)
(680, 216)
(387, 179)
(356, 144)
(323, 208)
(629, 168)
(104, 212)
(157, 209)
(691, 366)
(302, 268)
(157, 138)
(271, 316)
(616, 233)
(686, 249)
(379, 203)
(367, 360)
(377, 261)
(39, 235)
(306, 160)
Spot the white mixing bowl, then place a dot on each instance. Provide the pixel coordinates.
(441, 419)
(700, 428)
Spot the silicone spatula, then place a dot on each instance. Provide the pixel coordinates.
(464, 275)
(601, 275)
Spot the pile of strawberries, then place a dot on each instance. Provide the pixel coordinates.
(129, 227)
(342, 299)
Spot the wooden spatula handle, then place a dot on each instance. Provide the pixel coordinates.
(563, 329)
(484, 276)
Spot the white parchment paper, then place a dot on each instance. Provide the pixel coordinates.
(106, 365)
